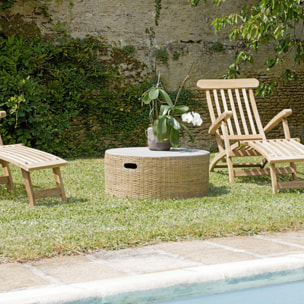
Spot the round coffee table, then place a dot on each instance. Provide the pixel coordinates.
(142, 173)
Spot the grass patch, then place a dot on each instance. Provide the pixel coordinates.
(91, 219)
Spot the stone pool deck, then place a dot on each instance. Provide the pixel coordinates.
(165, 264)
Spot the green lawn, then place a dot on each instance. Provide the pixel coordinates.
(90, 219)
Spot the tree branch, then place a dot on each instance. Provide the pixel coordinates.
(183, 84)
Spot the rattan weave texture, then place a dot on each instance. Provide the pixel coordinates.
(141, 173)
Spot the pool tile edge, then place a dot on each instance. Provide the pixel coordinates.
(59, 293)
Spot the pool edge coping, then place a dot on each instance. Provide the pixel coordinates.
(55, 293)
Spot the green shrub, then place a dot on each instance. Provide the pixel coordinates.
(72, 97)
(47, 88)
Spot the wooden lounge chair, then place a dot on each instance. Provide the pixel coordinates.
(29, 159)
(238, 130)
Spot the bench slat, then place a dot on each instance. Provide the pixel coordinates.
(28, 158)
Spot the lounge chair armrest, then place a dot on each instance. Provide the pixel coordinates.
(277, 119)
(217, 123)
(2, 114)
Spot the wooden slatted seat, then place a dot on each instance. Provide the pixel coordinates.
(239, 132)
(29, 159)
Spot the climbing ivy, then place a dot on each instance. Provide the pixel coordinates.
(70, 96)
(5, 4)
(158, 7)
(60, 97)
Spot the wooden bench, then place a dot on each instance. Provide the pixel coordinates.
(29, 159)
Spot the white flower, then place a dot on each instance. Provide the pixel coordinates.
(196, 115)
(187, 117)
(197, 121)
(193, 117)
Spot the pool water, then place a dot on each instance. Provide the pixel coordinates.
(289, 293)
(272, 288)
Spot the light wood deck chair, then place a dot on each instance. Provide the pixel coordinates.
(239, 132)
(29, 159)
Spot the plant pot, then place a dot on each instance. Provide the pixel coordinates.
(156, 145)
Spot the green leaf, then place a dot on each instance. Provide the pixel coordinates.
(174, 137)
(187, 131)
(154, 93)
(174, 123)
(155, 127)
(194, 2)
(164, 109)
(181, 109)
(166, 97)
(146, 99)
(162, 129)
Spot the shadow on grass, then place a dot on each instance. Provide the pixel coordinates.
(19, 194)
(258, 179)
(261, 180)
(215, 191)
(53, 202)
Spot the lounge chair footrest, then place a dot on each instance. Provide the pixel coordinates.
(291, 184)
(238, 165)
(253, 172)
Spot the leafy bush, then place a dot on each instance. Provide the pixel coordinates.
(72, 97)
(60, 97)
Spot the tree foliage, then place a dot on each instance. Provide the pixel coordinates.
(278, 23)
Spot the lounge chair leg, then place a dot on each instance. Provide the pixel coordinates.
(7, 173)
(29, 187)
(273, 179)
(230, 169)
(59, 183)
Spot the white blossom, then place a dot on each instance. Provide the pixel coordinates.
(187, 117)
(196, 115)
(196, 121)
(193, 118)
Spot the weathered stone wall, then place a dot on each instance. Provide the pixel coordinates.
(185, 34)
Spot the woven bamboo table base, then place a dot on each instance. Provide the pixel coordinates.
(142, 173)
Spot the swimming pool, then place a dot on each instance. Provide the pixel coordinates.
(278, 294)
(277, 288)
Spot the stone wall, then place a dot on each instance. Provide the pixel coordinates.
(184, 34)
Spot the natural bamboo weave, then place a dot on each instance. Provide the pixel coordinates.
(141, 173)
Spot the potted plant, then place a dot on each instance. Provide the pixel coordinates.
(167, 117)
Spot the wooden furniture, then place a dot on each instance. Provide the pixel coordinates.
(142, 173)
(29, 159)
(239, 132)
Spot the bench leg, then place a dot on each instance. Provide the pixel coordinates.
(59, 190)
(7, 175)
(29, 187)
(59, 183)
(294, 169)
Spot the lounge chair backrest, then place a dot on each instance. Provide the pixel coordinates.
(237, 96)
